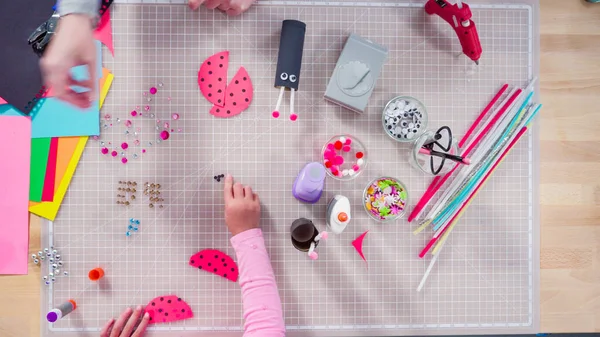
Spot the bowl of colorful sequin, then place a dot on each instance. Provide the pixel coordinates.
(404, 119)
(385, 199)
(344, 157)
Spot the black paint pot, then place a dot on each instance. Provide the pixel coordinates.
(303, 233)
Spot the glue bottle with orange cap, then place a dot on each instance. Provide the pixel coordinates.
(338, 214)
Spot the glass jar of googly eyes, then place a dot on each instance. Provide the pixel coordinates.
(404, 119)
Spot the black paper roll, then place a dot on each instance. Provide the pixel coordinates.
(291, 47)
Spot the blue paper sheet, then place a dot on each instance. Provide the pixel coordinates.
(55, 118)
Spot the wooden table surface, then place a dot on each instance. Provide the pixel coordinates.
(570, 182)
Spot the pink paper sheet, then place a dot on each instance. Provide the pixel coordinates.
(103, 32)
(15, 147)
(2, 101)
(48, 191)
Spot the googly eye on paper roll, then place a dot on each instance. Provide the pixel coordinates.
(289, 62)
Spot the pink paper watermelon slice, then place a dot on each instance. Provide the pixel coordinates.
(170, 308)
(212, 78)
(216, 262)
(238, 96)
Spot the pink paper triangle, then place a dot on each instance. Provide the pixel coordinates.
(103, 32)
(2, 101)
(358, 245)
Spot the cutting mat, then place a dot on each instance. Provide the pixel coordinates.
(485, 280)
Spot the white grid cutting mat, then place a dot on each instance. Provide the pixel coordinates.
(485, 280)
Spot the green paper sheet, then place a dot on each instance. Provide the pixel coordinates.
(40, 147)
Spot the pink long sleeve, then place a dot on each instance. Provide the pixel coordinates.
(263, 314)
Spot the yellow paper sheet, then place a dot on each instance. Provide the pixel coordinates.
(49, 210)
(105, 83)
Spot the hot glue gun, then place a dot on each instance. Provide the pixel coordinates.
(459, 17)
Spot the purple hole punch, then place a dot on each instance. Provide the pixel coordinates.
(308, 186)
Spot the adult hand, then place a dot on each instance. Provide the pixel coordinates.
(242, 207)
(72, 45)
(231, 7)
(127, 324)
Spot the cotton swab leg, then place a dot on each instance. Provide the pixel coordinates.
(293, 116)
(276, 111)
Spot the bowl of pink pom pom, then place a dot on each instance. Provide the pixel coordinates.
(344, 157)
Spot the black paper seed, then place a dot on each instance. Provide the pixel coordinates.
(245, 78)
(228, 111)
(224, 264)
(209, 264)
(222, 260)
(169, 301)
(231, 94)
(220, 66)
(232, 269)
(166, 314)
(179, 300)
(202, 80)
(234, 103)
(153, 304)
(237, 82)
(219, 79)
(219, 91)
(160, 310)
(224, 275)
(219, 101)
(216, 256)
(210, 72)
(201, 256)
(218, 110)
(222, 57)
(215, 270)
(182, 310)
(192, 261)
(199, 267)
(210, 86)
(247, 100)
(243, 90)
(208, 63)
(209, 95)
(162, 299)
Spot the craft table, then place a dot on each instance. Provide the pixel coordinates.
(570, 187)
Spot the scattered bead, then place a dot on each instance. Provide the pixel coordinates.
(66, 273)
(275, 114)
(153, 91)
(45, 278)
(147, 108)
(128, 123)
(359, 155)
(104, 150)
(128, 233)
(164, 135)
(175, 116)
(107, 117)
(360, 162)
(124, 160)
(293, 117)
(160, 84)
(124, 146)
(134, 113)
(166, 125)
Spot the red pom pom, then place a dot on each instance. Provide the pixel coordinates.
(338, 145)
(359, 155)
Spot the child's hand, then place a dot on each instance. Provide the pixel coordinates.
(126, 324)
(231, 7)
(242, 207)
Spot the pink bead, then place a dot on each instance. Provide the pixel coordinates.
(124, 160)
(275, 114)
(124, 146)
(143, 150)
(104, 150)
(114, 153)
(293, 117)
(128, 123)
(153, 91)
(346, 148)
(348, 141)
(133, 113)
(175, 116)
(338, 160)
(164, 135)
(356, 168)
